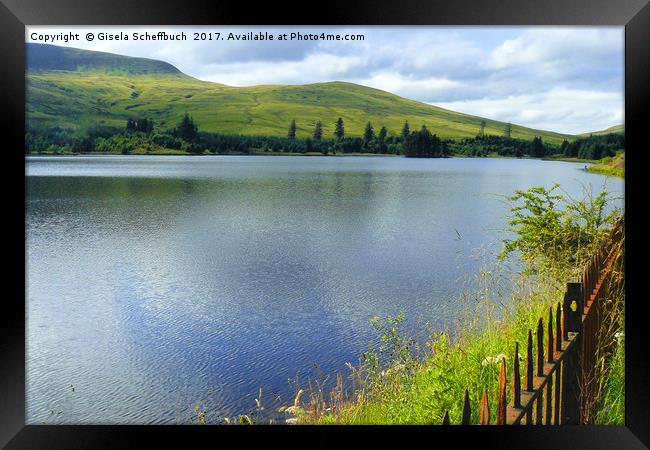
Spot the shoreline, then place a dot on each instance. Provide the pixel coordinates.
(309, 154)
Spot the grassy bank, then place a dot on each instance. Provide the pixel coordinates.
(171, 151)
(405, 382)
(138, 151)
(613, 166)
(419, 391)
(567, 159)
(612, 410)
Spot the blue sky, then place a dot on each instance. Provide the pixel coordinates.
(565, 79)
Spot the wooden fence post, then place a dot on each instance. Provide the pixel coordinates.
(572, 307)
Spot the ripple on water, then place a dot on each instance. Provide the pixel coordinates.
(158, 284)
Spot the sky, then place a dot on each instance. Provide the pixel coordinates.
(564, 79)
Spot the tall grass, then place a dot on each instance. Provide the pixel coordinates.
(412, 388)
(417, 388)
(612, 409)
(609, 382)
(401, 382)
(610, 166)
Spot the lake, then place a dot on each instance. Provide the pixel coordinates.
(155, 284)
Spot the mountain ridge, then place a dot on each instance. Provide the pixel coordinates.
(75, 88)
(47, 57)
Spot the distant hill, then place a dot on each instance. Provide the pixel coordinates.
(615, 129)
(45, 57)
(78, 88)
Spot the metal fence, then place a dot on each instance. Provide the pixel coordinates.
(561, 367)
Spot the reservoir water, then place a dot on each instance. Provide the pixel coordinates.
(155, 284)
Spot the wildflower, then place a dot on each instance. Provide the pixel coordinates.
(291, 421)
(493, 359)
(619, 335)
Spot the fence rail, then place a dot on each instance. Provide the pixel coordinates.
(560, 366)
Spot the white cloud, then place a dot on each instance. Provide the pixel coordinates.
(557, 46)
(409, 87)
(314, 68)
(561, 110)
(567, 79)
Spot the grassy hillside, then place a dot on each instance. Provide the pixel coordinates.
(45, 57)
(78, 88)
(615, 129)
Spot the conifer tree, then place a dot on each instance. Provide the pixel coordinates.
(406, 130)
(368, 134)
(537, 149)
(187, 129)
(339, 130)
(318, 131)
(292, 130)
(381, 140)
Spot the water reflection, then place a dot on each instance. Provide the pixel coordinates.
(155, 284)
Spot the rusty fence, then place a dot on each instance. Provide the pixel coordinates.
(560, 371)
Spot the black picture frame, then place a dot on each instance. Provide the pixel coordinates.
(15, 14)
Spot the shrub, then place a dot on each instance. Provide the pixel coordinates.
(555, 234)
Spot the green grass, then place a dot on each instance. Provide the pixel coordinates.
(49, 151)
(610, 166)
(417, 386)
(94, 94)
(615, 129)
(137, 151)
(438, 382)
(51, 57)
(612, 410)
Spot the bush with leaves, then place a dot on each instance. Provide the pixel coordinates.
(554, 233)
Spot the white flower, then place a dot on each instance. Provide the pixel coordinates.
(619, 335)
(493, 359)
(291, 421)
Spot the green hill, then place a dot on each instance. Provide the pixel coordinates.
(615, 129)
(45, 57)
(74, 88)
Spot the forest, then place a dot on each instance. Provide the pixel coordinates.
(143, 136)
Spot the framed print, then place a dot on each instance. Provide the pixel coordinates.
(257, 221)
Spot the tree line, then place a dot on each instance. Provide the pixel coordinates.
(143, 134)
(503, 146)
(594, 147)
